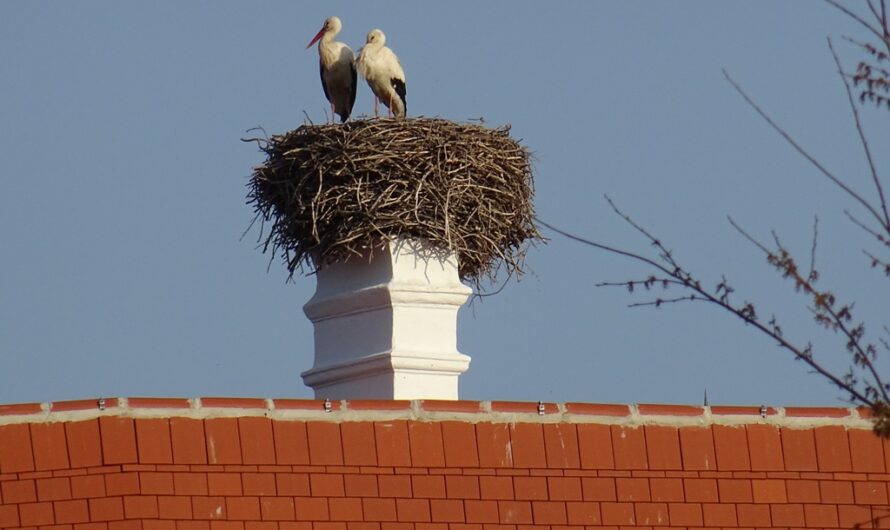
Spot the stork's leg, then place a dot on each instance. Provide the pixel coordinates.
(376, 106)
(389, 108)
(332, 114)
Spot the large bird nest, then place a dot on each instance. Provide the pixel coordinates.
(332, 191)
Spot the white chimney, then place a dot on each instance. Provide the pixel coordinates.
(386, 325)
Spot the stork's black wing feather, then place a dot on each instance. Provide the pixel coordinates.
(399, 86)
(354, 87)
(324, 85)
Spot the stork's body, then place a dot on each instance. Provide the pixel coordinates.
(383, 71)
(337, 67)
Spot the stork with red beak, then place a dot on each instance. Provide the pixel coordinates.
(383, 71)
(337, 69)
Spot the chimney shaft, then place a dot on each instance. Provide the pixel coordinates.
(386, 325)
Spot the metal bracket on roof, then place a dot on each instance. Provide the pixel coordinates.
(327, 405)
(101, 403)
(541, 408)
(763, 411)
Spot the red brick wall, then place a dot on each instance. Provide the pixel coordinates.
(287, 465)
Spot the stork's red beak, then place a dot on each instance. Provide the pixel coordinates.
(316, 37)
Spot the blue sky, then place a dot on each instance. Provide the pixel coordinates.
(122, 190)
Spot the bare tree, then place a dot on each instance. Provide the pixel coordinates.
(863, 383)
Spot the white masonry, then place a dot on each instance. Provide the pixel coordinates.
(386, 325)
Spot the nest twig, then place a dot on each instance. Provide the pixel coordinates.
(331, 191)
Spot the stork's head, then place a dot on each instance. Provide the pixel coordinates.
(330, 27)
(376, 38)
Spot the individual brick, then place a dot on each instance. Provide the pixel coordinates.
(425, 439)
(15, 448)
(564, 488)
(666, 489)
(177, 507)
(260, 484)
(527, 444)
(735, 490)
(464, 487)
(224, 484)
(765, 445)
(141, 507)
(583, 513)
(561, 446)
(223, 441)
(650, 513)
(257, 442)
(284, 508)
(393, 448)
(731, 447)
(153, 441)
(832, 448)
(189, 441)
(50, 446)
(291, 442)
(154, 483)
(359, 448)
(118, 440)
(663, 447)
(530, 488)
(70, 512)
(86, 486)
(769, 491)
(820, 515)
(697, 448)
(328, 485)
(243, 508)
(496, 488)
(629, 447)
(375, 509)
(485, 512)
(354, 486)
(836, 491)
(53, 489)
(9, 516)
(18, 491)
(325, 448)
(799, 449)
(802, 491)
(36, 514)
(549, 512)
(413, 510)
(190, 484)
(306, 509)
(515, 512)
(618, 513)
(428, 486)
(599, 489)
(787, 515)
(687, 514)
(870, 492)
(122, 484)
(595, 446)
(345, 509)
(633, 489)
(106, 509)
(209, 507)
(493, 442)
(459, 441)
(850, 516)
(700, 490)
(719, 515)
(865, 451)
(394, 485)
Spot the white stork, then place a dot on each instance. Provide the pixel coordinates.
(337, 69)
(383, 71)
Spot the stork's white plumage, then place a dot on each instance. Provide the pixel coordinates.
(383, 71)
(337, 69)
